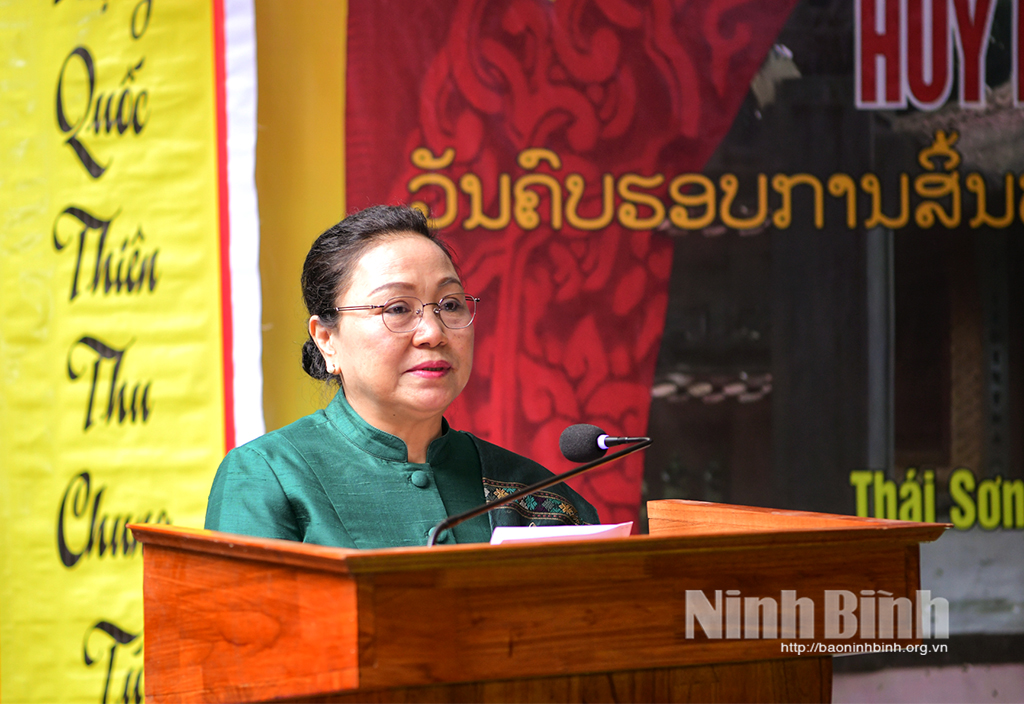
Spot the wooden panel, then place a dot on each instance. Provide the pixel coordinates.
(225, 631)
(536, 615)
(806, 679)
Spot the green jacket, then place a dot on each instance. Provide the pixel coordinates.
(332, 479)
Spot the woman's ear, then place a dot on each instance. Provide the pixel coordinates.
(324, 338)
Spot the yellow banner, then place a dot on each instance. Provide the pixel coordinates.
(111, 346)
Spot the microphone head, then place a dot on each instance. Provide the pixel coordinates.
(578, 443)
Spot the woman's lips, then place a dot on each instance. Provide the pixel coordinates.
(431, 370)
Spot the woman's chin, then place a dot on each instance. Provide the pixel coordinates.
(429, 402)
(433, 394)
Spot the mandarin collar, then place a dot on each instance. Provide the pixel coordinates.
(376, 442)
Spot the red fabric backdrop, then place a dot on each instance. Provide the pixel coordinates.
(571, 320)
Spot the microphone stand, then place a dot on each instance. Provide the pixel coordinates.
(455, 520)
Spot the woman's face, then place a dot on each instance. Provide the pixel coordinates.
(396, 378)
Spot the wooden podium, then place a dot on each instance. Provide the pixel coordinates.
(237, 619)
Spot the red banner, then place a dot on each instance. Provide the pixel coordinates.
(540, 135)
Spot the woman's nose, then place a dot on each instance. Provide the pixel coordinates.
(431, 330)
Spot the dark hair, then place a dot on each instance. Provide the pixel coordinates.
(328, 267)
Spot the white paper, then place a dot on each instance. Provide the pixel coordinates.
(528, 534)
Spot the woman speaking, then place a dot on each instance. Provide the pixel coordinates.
(391, 324)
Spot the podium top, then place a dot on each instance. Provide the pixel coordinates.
(676, 526)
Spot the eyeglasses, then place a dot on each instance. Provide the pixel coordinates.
(404, 313)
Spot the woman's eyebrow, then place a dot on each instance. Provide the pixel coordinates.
(391, 284)
(447, 281)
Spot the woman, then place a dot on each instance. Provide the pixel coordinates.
(391, 324)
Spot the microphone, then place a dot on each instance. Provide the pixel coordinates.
(584, 442)
(574, 436)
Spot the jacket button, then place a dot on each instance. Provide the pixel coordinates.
(421, 479)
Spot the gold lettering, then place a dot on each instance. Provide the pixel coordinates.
(730, 186)
(939, 185)
(976, 184)
(526, 200)
(576, 187)
(451, 198)
(871, 184)
(628, 211)
(783, 217)
(423, 158)
(470, 185)
(841, 185)
(680, 214)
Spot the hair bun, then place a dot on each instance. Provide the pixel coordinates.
(313, 362)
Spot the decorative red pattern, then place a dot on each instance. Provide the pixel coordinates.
(225, 225)
(571, 320)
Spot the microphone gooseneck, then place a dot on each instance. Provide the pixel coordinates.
(575, 439)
